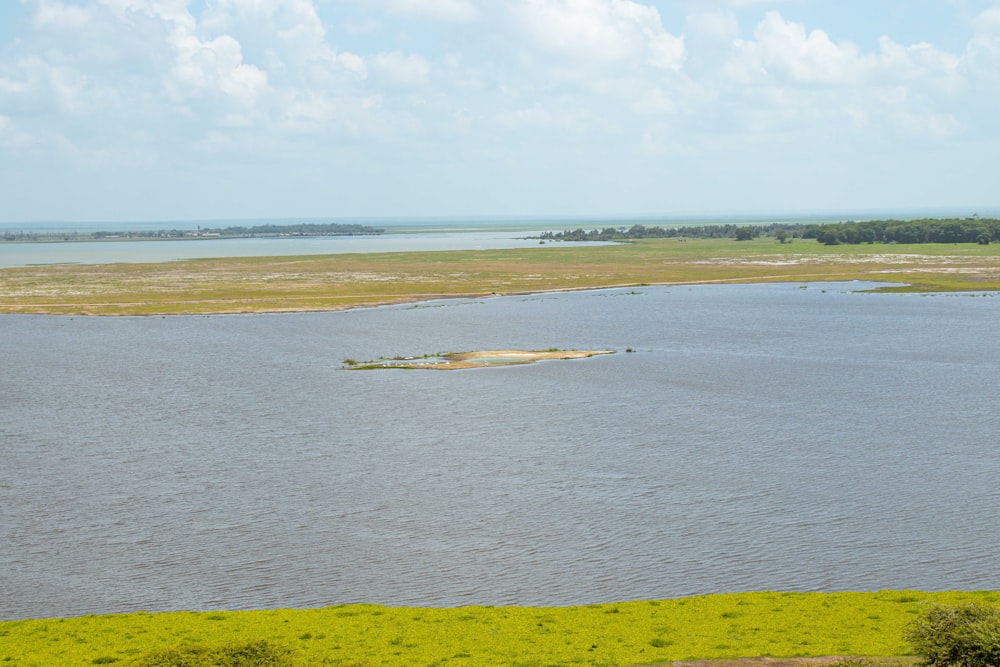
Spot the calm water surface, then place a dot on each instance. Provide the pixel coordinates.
(759, 437)
(108, 252)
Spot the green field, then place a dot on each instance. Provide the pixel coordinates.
(330, 282)
(627, 633)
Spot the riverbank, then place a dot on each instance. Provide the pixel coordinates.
(333, 282)
(717, 627)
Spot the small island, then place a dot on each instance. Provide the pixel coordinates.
(480, 359)
(269, 230)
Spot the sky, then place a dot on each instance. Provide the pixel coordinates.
(119, 110)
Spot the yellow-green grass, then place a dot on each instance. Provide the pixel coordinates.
(627, 633)
(331, 282)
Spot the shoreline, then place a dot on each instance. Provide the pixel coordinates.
(752, 629)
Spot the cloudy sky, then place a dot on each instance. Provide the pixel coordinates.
(120, 110)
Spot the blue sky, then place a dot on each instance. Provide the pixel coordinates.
(121, 110)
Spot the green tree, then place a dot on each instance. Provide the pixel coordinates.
(961, 636)
(829, 235)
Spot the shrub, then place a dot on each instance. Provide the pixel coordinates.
(252, 654)
(852, 662)
(961, 636)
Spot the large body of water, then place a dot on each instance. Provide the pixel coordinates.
(108, 252)
(768, 437)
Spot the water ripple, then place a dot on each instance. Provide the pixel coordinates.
(760, 438)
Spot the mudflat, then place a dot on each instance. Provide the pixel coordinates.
(476, 359)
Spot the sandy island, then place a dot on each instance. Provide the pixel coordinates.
(479, 359)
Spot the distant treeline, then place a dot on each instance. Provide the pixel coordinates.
(234, 231)
(304, 229)
(275, 229)
(928, 230)
(643, 232)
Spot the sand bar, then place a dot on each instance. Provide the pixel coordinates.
(477, 359)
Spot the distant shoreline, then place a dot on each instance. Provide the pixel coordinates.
(279, 230)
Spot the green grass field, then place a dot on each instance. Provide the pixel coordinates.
(330, 282)
(627, 633)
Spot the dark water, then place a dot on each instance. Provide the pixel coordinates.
(759, 437)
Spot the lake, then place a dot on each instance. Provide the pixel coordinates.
(108, 252)
(758, 437)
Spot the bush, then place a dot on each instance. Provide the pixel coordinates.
(962, 636)
(853, 662)
(253, 654)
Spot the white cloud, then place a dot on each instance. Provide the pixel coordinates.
(988, 21)
(752, 3)
(169, 11)
(785, 49)
(289, 31)
(918, 62)
(10, 88)
(205, 68)
(931, 125)
(613, 32)
(449, 11)
(401, 69)
(982, 55)
(717, 25)
(59, 17)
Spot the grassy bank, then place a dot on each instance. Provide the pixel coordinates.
(631, 633)
(330, 282)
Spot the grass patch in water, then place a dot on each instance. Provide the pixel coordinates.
(624, 633)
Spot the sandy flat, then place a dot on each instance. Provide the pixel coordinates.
(483, 358)
(525, 355)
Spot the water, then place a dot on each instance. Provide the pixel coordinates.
(769, 437)
(107, 252)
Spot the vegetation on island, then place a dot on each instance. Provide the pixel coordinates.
(868, 629)
(927, 230)
(331, 282)
(638, 231)
(231, 231)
